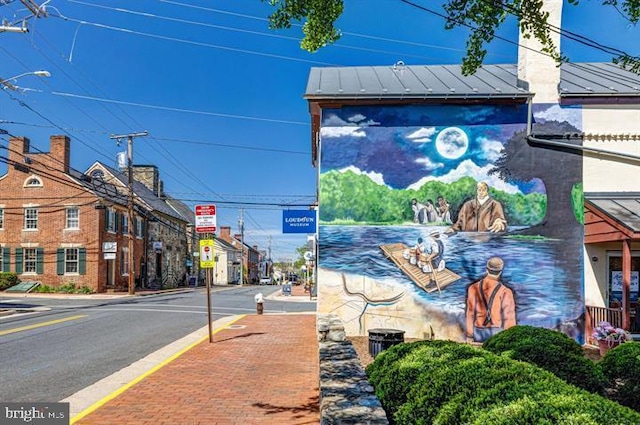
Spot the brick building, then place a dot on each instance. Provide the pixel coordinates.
(60, 226)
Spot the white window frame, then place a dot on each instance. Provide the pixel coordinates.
(69, 261)
(72, 222)
(30, 218)
(111, 220)
(125, 224)
(124, 261)
(30, 256)
(138, 227)
(33, 181)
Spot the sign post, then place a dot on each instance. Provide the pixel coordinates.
(206, 223)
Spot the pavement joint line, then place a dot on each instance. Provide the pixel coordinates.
(119, 382)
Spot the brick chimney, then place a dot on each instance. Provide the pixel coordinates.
(538, 69)
(225, 233)
(18, 147)
(59, 152)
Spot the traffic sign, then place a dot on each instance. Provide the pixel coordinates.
(205, 218)
(207, 257)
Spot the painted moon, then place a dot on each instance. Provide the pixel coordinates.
(452, 143)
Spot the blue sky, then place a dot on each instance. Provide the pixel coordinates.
(220, 94)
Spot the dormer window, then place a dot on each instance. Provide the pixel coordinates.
(33, 181)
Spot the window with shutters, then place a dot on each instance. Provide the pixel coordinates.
(30, 219)
(30, 260)
(73, 218)
(71, 260)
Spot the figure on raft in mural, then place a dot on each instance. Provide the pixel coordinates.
(433, 258)
(490, 304)
(480, 214)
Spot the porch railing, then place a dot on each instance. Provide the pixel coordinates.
(595, 315)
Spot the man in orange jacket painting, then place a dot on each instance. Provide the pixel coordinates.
(491, 306)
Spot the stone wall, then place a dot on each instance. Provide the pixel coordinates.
(346, 397)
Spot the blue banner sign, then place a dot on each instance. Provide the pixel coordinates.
(298, 221)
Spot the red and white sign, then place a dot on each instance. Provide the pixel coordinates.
(205, 218)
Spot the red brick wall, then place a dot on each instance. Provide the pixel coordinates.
(58, 192)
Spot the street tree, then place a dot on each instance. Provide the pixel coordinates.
(482, 17)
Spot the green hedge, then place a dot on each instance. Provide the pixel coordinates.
(551, 350)
(443, 382)
(621, 366)
(7, 280)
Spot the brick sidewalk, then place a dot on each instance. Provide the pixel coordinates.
(262, 369)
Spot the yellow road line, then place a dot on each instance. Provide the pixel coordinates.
(39, 325)
(119, 391)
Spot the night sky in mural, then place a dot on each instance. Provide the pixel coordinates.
(393, 143)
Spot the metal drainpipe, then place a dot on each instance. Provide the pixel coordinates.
(582, 148)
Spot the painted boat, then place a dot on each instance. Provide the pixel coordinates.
(429, 282)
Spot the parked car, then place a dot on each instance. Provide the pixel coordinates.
(265, 281)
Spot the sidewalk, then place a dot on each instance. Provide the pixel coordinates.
(260, 369)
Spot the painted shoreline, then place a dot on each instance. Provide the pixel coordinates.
(360, 313)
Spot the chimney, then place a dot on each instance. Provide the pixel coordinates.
(59, 152)
(18, 147)
(538, 69)
(225, 233)
(148, 175)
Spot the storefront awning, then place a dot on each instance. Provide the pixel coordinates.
(612, 216)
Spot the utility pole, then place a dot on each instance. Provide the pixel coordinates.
(241, 224)
(129, 137)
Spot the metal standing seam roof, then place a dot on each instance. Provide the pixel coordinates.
(623, 207)
(146, 195)
(597, 79)
(414, 82)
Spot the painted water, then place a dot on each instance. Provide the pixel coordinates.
(545, 274)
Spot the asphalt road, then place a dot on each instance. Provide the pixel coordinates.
(69, 344)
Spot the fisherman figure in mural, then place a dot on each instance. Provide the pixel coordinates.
(491, 306)
(434, 259)
(481, 214)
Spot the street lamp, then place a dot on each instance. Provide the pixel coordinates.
(6, 84)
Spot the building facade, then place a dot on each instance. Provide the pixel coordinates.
(432, 183)
(59, 226)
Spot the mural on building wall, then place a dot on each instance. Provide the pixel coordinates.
(444, 221)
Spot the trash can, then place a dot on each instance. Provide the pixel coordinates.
(381, 339)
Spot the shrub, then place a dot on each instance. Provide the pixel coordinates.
(397, 369)
(456, 383)
(621, 367)
(45, 289)
(551, 350)
(7, 280)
